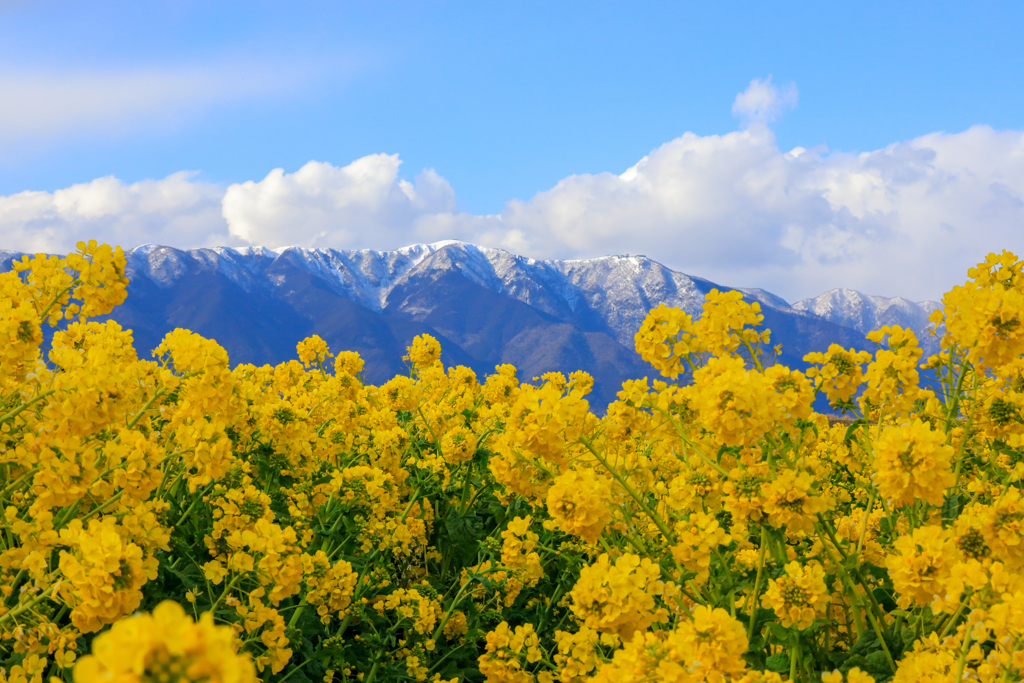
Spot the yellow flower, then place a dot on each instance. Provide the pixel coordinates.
(214, 571)
(744, 491)
(578, 652)
(619, 598)
(330, 585)
(892, 378)
(30, 670)
(985, 315)
(696, 539)
(424, 351)
(517, 553)
(930, 660)
(839, 371)
(708, 648)
(736, 404)
(456, 626)
(854, 675)
(401, 394)
(458, 445)
(104, 573)
(423, 610)
(790, 504)
(165, 645)
(1002, 525)
(313, 351)
(912, 462)
(799, 597)
(578, 502)
(541, 433)
(508, 653)
(20, 331)
(348, 363)
(666, 337)
(921, 565)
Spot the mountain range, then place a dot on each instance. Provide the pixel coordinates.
(485, 306)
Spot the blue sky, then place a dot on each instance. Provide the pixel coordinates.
(504, 101)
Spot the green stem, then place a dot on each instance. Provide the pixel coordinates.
(966, 436)
(35, 399)
(149, 404)
(794, 657)
(101, 508)
(954, 618)
(57, 297)
(294, 669)
(885, 648)
(190, 507)
(18, 482)
(448, 614)
(227, 589)
(962, 661)
(682, 435)
(654, 517)
(867, 516)
(955, 403)
(27, 606)
(298, 612)
(849, 576)
(752, 602)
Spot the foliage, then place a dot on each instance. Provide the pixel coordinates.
(174, 519)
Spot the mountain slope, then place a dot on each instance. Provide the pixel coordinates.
(865, 313)
(485, 306)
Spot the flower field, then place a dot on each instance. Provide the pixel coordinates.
(173, 519)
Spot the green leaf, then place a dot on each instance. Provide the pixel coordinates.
(459, 538)
(779, 663)
(885, 599)
(838, 659)
(851, 429)
(951, 507)
(780, 633)
(877, 662)
(908, 636)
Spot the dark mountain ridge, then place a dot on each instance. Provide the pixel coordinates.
(485, 306)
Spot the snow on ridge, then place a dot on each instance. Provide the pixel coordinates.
(865, 312)
(767, 298)
(618, 288)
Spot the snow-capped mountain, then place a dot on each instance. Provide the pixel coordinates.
(620, 289)
(486, 306)
(865, 313)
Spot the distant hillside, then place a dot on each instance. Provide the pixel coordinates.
(865, 313)
(486, 306)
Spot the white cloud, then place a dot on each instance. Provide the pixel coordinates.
(762, 102)
(362, 205)
(43, 105)
(908, 220)
(178, 210)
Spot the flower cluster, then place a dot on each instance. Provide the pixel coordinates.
(166, 646)
(709, 526)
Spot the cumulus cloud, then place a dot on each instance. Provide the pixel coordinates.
(905, 220)
(178, 210)
(763, 103)
(362, 205)
(908, 219)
